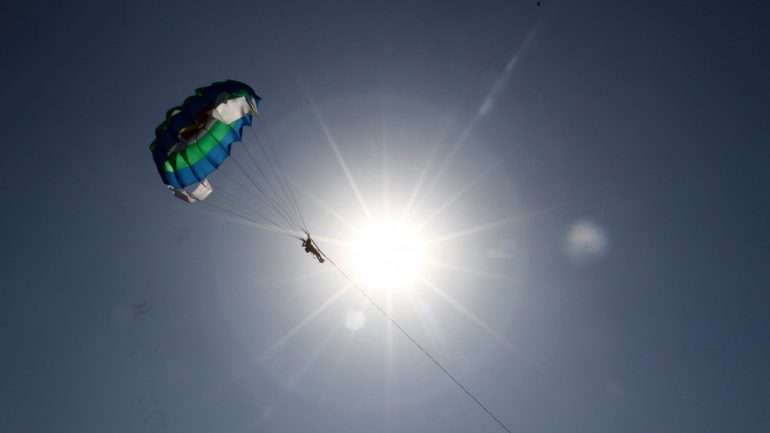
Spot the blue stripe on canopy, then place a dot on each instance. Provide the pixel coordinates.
(213, 159)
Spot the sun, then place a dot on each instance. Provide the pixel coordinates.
(388, 255)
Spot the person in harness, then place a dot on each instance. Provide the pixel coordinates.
(312, 248)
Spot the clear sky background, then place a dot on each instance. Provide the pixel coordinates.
(620, 148)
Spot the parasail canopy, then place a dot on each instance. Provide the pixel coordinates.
(196, 137)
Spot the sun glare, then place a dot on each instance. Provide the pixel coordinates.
(388, 255)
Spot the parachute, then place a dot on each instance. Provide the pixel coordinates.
(196, 139)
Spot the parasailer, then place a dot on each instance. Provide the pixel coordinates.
(312, 248)
(196, 139)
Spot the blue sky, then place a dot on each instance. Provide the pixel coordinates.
(618, 150)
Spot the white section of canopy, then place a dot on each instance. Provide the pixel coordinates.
(200, 192)
(227, 111)
(233, 109)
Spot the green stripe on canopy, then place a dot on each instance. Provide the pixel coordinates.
(197, 150)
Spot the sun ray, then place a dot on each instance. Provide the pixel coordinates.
(486, 106)
(385, 160)
(327, 240)
(321, 204)
(476, 229)
(360, 304)
(335, 148)
(459, 307)
(262, 282)
(510, 346)
(428, 320)
(389, 354)
(306, 321)
(312, 358)
(459, 143)
(470, 271)
(467, 187)
(420, 180)
(493, 225)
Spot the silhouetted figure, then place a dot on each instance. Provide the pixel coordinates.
(311, 248)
